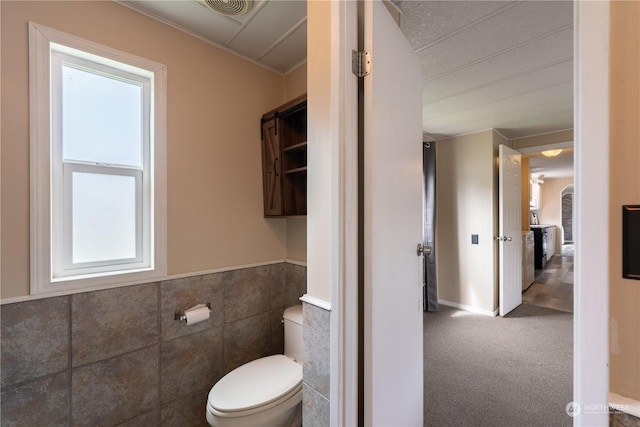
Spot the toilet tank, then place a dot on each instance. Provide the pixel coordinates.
(293, 333)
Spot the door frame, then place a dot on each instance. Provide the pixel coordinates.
(344, 356)
(591, 160)
(591, 130)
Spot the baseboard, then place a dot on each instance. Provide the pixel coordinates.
(470, 308)
(624, 404)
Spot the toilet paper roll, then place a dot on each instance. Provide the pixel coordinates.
(197, 314)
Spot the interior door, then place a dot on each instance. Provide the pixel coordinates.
(510, 229)
(393, 351)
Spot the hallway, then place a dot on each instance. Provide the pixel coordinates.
(504, 371)
(553, 285)
(484, 371)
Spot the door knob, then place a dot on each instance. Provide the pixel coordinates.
(423, 250)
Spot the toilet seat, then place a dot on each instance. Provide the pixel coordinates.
(256, 386)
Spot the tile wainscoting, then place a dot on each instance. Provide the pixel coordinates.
(315, 400)
(117, 356)
(621, 419)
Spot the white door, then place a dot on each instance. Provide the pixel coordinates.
(510, 229)
(393, 351)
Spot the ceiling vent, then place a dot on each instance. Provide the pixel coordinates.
(228, 7)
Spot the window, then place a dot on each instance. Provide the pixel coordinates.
(98, 165)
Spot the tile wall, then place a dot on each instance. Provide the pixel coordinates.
(621, 419)
(117, 356)
(315, 397)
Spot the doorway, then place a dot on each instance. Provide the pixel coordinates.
(430, 294)
(566, 203)
(592, 128)
(551, 175)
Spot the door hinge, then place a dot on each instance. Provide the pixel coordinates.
(361, 63)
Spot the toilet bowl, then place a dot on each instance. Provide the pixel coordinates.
(266, 392)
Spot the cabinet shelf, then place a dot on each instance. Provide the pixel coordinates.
(296, 170)
(284, 148)
(297, 147)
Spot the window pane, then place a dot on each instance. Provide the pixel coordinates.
(101, 118)
(104, 217)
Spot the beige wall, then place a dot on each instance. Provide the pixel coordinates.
(550, 211)
(624, 180)
(295, 84)
(215, 101)
(466, 204)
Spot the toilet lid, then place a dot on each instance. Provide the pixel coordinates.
(256, 383)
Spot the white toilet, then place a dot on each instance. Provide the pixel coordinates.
(266, 392)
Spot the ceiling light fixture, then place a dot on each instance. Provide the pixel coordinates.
(537, 180)
(552, 153)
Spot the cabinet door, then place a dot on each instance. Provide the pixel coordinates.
(271, 169)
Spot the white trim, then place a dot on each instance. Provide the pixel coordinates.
(295, 67)
(51, 35)
(42, 40)
(539, 148)
(223, 269)
(469, 308)
(541, 134)
(39, 128)
(591, 295)
(343, 392)
(445, 137)
(294, 262)
(316, 302)
(24, 298)
(500, 134)
(624, 404)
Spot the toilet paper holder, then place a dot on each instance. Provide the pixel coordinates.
(179, 315)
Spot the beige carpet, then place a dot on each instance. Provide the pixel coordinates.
(492, 371)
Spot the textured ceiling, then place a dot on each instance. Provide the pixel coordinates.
(273, 33)
(485, 64)
(490, 64)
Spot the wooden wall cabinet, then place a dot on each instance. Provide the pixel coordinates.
(284, 159)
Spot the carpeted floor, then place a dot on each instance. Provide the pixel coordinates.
(491, 371)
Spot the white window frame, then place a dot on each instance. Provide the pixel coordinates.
(52, 270)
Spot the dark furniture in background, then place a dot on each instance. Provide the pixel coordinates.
(540, 246)
(284, 159)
